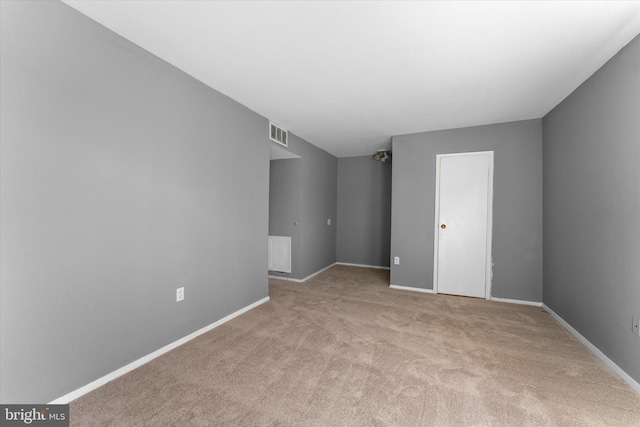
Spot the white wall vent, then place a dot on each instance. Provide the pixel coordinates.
(279, 135)
(280, 254)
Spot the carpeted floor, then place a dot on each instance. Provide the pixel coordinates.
(343, 349)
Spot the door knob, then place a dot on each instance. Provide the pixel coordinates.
(443, 226)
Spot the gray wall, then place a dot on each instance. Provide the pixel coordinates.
(364, 211)
(592, 208)
(285, 208)
(122, 179)
(517, 204)
(319, 203)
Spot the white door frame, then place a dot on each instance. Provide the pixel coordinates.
(489, 260)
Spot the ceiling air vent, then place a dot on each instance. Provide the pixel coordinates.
(277, 134)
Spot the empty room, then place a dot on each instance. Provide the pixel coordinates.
(320, 213)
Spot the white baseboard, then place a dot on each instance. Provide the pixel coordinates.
(326, 268)
(149, 357)
(379, 267)
(306, 278)
(407, 288)
(599, 354)
(316, 273)
(431, 291)
(517, 301)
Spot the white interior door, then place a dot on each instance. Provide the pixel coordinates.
(462, 246)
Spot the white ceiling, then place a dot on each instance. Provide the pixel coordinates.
(346, 76)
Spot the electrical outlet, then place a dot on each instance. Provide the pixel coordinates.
(328, 221)
(396, 260)
(636, 325)
(179, 294)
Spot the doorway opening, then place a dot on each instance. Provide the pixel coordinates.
(285, 213)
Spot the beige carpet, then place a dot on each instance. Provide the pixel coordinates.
(345, 350)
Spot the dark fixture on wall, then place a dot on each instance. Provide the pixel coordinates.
(382, 156)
